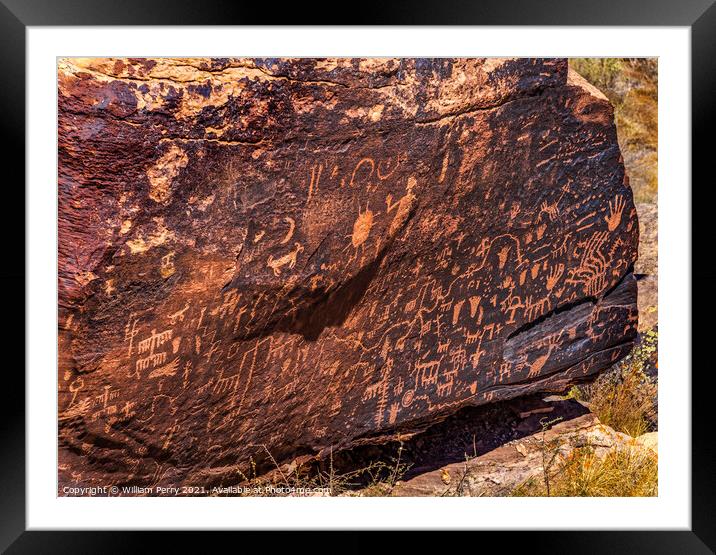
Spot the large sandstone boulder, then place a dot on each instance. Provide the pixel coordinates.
(293, 256)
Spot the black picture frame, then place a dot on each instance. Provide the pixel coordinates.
(16, 15)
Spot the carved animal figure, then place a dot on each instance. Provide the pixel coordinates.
(540, 361)
(287, 259)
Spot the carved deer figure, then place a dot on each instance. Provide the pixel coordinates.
(553, 342)
(289, 259)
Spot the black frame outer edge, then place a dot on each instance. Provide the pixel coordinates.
(15, 15)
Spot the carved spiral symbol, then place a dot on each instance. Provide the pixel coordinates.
(408, 398)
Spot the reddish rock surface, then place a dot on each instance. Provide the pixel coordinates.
(297, 256)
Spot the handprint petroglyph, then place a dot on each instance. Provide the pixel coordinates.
(554, 276)
(615, 212)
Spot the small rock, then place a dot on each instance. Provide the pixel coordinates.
(649, 440)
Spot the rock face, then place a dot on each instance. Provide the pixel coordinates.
(646, 268)
(292, 256)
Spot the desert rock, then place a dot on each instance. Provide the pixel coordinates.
(291, 256)
(501, 471)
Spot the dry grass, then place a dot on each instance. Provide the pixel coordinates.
(625, 398)
(631, 86)
(376, 479)
(623, 472)
(624, 403)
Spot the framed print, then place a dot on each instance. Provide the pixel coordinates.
(430, 272)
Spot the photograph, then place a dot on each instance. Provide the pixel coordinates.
(357, 277)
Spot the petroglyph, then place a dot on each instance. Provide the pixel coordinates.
(338, 255)
(591, 272)
(291, 227)
(166, 370)
(286, 260)
(361, 227)
(616, 208)
(154, 341)
(164, 171)
(554, 276)
(167, 265)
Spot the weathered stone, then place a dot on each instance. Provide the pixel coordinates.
(499, 472)
(649, 440)
(646, 267)
(295, 256)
